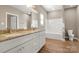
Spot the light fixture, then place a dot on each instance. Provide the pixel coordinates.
(28, 6)
(28, 9)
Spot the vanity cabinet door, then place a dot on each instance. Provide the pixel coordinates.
(15, 50)
(33, 45)
(13, 43)
(42, 39)
(39, 41)
(28, 48)
(36, 44)
(21, 49)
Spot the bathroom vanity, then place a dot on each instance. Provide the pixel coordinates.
(21, 32)
(23, 42)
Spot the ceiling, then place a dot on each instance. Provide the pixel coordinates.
(23, 8)
(27, 8)
(49, 8)
(69, 6)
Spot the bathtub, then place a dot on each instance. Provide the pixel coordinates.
(57, 36)
(55, 29)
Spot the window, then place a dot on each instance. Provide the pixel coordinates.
(41, 19)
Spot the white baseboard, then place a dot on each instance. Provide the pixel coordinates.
(68, 37)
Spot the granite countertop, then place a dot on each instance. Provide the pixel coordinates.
(9, 36)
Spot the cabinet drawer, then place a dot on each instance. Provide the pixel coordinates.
(24, 48)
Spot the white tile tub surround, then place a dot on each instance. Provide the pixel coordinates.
(55, 29)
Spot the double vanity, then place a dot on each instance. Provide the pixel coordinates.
(30, 41)
(21, 31)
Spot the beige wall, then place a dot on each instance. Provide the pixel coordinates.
(55, 14)
(21, 16)
(70, 18)
(78, 21)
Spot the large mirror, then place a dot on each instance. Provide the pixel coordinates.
(11, 23)
(35, 18)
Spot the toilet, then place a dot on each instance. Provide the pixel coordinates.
(71, 35)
